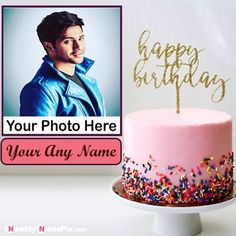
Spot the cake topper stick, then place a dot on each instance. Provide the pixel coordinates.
(177, 101)
(174, 65)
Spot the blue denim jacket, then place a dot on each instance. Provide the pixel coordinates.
(50, 93)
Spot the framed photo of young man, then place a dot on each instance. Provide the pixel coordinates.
(61, 66)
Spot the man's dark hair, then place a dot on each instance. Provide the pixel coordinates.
(53, 25)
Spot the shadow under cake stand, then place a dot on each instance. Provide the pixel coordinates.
(173, 221)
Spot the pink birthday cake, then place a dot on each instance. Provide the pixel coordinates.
(179, 159)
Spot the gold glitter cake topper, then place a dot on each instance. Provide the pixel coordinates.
(173, 60)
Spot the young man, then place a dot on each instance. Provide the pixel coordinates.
(61, 87)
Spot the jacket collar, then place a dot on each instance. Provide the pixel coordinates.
(74, 90)
(79, 68)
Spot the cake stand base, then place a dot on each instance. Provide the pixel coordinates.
(171, 220)
(177, 224)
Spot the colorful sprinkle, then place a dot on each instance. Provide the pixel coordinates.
(189, 191)
(193, 173)
(149, 165)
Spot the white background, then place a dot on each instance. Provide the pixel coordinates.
(85, 201)
(207, 24)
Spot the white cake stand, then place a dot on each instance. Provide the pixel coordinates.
(173, 221)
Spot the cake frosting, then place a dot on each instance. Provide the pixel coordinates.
(178, 158)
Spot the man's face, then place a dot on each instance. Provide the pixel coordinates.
(70, 47)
